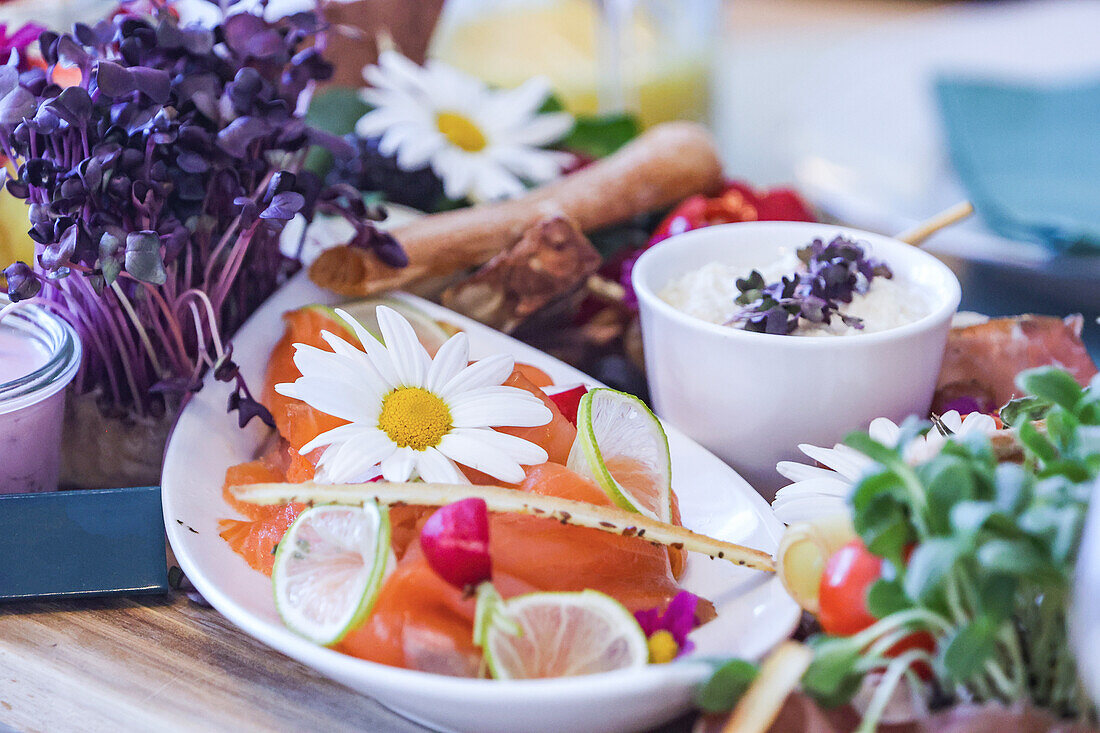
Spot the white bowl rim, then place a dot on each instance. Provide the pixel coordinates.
(946, 308)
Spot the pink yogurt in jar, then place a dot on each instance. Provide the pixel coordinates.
(39, 355)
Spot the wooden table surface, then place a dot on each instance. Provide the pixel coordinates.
(161, 663)
(168, 664)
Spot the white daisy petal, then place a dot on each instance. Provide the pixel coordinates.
(375, 349)
(795, 471)
(399, 465)
(884, 431)
(416, 153)
(809, 508)
(452, 358)
(521, 451)
(542, 130)
(532, 164)
(366, 370)
(512, 108)
(356, 456)
(977, 423)
(410, 359)
(334, 397)
(953, 421)
(434, 467)
(494, 183)
(490, 371)
(848, 465)
(457, 176)
(336, 435)
(466, 449)
(499, 409)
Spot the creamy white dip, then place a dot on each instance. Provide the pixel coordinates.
(710, 293)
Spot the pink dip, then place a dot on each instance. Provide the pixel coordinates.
(30, 434)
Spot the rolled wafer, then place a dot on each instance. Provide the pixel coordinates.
(661, 167)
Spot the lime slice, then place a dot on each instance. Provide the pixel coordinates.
(542, 635)
(622, 447)
(431, 332)
(329, 568)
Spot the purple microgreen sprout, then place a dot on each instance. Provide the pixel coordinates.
(832, 274)
(159, 185)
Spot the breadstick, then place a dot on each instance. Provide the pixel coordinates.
(664, 165)
(610, 519)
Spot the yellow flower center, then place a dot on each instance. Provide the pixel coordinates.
(414, 418)
(662, 647)
(461, 131)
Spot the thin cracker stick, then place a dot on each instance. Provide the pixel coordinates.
(500, 499)
(779, 676)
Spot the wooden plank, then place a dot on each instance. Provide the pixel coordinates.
(161, 664)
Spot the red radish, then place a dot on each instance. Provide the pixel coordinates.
(568, 400)
(455, 541)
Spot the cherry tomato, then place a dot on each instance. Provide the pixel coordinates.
(849, 574)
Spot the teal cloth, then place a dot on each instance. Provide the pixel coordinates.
(1028, 157)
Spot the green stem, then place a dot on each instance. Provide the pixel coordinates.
(886, 687)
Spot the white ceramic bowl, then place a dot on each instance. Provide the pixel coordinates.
(751, 398)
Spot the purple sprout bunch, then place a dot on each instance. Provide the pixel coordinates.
(158, 188)
(833, 274)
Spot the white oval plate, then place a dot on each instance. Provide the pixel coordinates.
(754, 612)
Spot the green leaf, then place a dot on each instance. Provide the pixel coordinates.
(1024, 409)
(725, 687)
(1017, 557)
(873, 449)
(601, 136)
(1037, 443)
(884, 527)
(832, 679)
(1051, 384)
(928, 568)
(1014, 488)
(970, 517)
(336, 110)
(553, 103)
(996, 595)
(967, 649)
(948, 480)
(884, 482)
(886, 597)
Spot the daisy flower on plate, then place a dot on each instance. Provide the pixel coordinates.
(409, 415)
(483, 143)
(817, 491)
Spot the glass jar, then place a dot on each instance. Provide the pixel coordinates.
(39, 355)
(649, 57)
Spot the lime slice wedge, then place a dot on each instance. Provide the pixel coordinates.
(542, 635)
(622, 447)
(432, 333)
(329, 568)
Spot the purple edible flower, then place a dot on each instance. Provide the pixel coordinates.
(667, 633)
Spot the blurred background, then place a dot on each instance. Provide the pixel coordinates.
(880, 112)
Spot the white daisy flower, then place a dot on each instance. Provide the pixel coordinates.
(409, 415)
(817, 492)
(483, 143)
